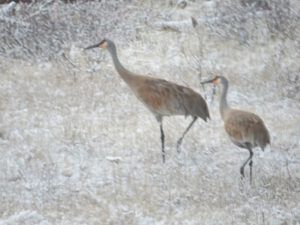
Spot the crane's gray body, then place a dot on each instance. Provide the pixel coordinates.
(245, 129)
(161, 97)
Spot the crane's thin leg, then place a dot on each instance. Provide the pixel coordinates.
(250, 165)
(245, 163)
(162, 138)
(184, 133)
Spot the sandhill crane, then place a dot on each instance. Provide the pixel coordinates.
(245, 129)
(161, 97)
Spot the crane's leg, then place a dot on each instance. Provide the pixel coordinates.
(245, 163)
(184, 133)
(250, 165)
(162, 138)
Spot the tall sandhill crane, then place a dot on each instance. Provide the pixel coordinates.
(161, 97)
(245, 129)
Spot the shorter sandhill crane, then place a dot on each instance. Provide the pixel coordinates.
(245, 129)
(161, 97)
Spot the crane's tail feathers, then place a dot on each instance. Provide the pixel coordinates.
(267, 145)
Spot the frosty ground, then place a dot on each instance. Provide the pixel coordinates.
(77, 147)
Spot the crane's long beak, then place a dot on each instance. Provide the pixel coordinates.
(92, 46)
(214, 87)
(208, 81)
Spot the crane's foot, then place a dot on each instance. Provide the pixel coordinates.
(178, 146)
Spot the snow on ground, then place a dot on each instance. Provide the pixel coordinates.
(77, 147)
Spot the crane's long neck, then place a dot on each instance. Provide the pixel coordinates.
(124, 73)
(224, 107)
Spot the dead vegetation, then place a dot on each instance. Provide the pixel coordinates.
(76, 146)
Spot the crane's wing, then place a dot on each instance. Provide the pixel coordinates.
(245, 127)
(167, 98)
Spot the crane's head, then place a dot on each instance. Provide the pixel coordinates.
(103, 44)
(215, 81)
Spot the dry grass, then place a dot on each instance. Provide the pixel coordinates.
(77, 147)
